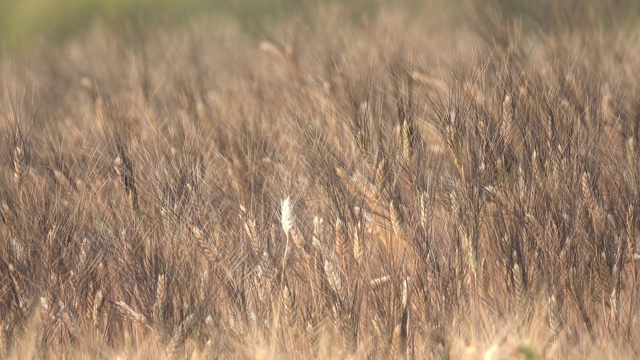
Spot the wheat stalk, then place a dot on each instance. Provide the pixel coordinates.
(157, 310)
(209, 249)
(19, 289)
(397, 222)
(341, 238)
(124, 169)
(288, 302)
(98, 301)
(19, 163)
(358, 244)
(180, 335)
(333, 278)
(407, 141)
(133, 316)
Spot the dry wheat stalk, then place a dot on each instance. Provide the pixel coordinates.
(507, 117)
(250, 229)
(180, 335)
(70, 321)
(299, 239)
(128, 312)
(474, 93)
(593, 205)
(318, 229)
(98, 301)
(313, 333)
(287, 217)
(288, 303)
(519, 284)
(17, 286)
(381, 178)
(4, 341)
(397, 348)
(124, 168)
(631, 154)
(603, 274)
(407, 141)
(19, 164)
(425, 212)
(17, 250)
(397, 222)
(358, 244)
(630, 235)
(348, 180)
(555, 314)
(379, 281)
(614, 301)
(157, 310)
(333, 278)
(209, 249)
(287, 54)
(62, 179)
(607, 105)
(341, 238)
(6, 214)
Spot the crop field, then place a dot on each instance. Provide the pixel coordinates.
(320, 180)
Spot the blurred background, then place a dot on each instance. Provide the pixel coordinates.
(24, 23)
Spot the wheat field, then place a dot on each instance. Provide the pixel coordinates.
(434, 181)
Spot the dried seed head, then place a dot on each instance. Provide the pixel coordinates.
(20, 291)
(379, 281)
(407, 141)
(475, 93)
(589, 196)
(161, 288)
(300, 240)
(70, 321)
(381, 177)
(128, 312)
(6, 214)
(180, 335)
(18, 162)
(398, 343)
(607, 104)
(398, 223)
(614, 301)
(318, 229)
(204, 242)
(118, 166)
(98, 300)
(250, 229)
(455, 204)
(341, 238)
(17, 249)
(631, 241)
(333, 277)
(288, 302)
(358, 245)
(519, 283)
(631, 152)
(405, 293)
(425, 211)
(507, 117)
(288, 219)
(272, 49)
(555, 313)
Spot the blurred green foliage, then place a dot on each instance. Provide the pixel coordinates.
(576, 15)
(23, 21)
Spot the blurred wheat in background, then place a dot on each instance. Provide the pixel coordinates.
(381, 180)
